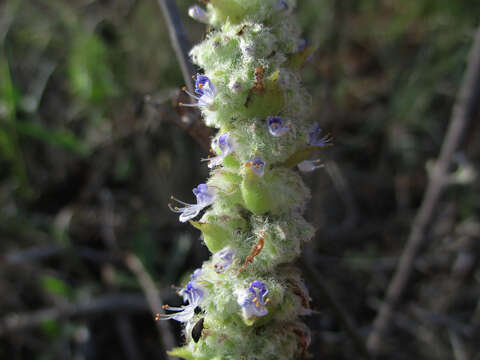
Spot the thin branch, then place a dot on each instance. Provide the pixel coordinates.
(112, 303)
(463, 111)
(345, 319)
(178, 39)
(194, 126)
(190, 121)
(153, 297)
(40, 253)
(122, 321)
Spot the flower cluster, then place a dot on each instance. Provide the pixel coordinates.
(246, 297)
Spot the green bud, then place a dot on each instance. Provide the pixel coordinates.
(255, 193)
(214, 236)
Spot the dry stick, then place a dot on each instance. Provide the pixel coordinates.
(345, 319)
(463, 110)
(153, 297)
(178, 39)
(181, 46)
(195, 127)
(41, 253)
(112, 303)
(122, 322)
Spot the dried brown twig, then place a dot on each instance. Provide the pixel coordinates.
(465, 106)
(153, 297)
(112, 303)
(178, 39)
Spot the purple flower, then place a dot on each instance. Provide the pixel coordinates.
(282, 5)
(224, 259)
(205, 197)
(276, 126)
(197, 13)
(310, 165)
(235, 86)
(195, 274)
(193, 294)
(205, 91)
(225, 145)
(315, 138)
(257, 165)
(302, 44)
(253, 300)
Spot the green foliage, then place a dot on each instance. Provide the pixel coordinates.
(89, 69)
(56, 286)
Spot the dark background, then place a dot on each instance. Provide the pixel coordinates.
(87, 167)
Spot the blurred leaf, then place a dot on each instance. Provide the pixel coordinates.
(89, 70)
(56, 286)
(62, 138)
(9, 147)
(50, 328)
(144, 246)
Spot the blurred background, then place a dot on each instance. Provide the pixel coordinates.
(87, 167)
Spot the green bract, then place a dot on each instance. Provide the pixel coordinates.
(249, 297)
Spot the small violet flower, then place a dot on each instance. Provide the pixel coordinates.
(205, 197)
(197, 13)
(302, 44)
(253, 300)
(257, 165)
(310, 165)
(195, 274)
(276, 126)
(224, 259)
(316, 140)
(225, 145)
(206, 91)
(194, 295)
(282, 5)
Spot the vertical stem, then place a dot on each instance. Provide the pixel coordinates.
(178, 39)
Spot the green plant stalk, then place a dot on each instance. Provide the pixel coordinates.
(246, 300)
